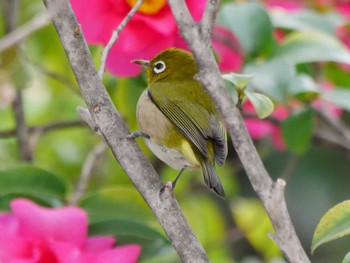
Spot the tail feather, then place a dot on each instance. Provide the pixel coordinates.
(211, 178)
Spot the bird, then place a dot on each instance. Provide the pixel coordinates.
(178, 118)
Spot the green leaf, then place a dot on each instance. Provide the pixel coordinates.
(303, 87)
(333, 225)
(250, 23)
(272, 78)
(32, 182)
(338, 96)
(126, 232)
(252, 219)
(119, 202)
(346, 258)
(239, 80)
(312, 46)
(297, 130)
(304, 20)
(262, 104)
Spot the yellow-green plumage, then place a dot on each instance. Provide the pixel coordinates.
(180, 117)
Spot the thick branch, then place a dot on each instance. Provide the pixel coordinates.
(208, 19)
(115, 133)
(271, 193)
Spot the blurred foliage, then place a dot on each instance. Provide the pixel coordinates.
(290, 56)
(333, 225)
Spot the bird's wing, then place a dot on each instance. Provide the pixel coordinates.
(194, 121)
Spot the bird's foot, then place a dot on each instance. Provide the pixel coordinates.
(136, 134)
(169, 187)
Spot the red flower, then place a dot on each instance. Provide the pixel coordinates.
(35, 234)
(151, 30)
(228, 48)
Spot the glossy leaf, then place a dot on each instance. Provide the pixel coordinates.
(239, 80)
(119, 202)
(207, 224)
(253, 221)
(271, 78)
(312, 46)
(32, 182)
(262, 104)
(338, 96)
(346, 258)
(250, 23)
(333, 225)
(303, 86)
(297, 130)
(304, 20)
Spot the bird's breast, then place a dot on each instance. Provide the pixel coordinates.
(150, 119)
(166, 141)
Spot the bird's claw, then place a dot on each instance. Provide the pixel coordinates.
(136, 134)
(168, 186)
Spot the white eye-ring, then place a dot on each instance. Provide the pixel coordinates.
(159, 67)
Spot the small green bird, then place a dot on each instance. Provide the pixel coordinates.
(178, 118)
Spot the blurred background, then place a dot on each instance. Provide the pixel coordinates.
(298, 55)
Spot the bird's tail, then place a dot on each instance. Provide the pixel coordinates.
(211, 177)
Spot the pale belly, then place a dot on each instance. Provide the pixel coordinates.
(153, 122)
(171, 157)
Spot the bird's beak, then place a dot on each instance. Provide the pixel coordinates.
(143, 63)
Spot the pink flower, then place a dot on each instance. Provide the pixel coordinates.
(326, 106)
(289, 5)
(151, 30)
(228, 48)
(34, 234)
(259, 129)
(343, 7)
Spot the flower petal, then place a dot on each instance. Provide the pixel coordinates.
(228, 49)
(118, 60)
(63, 224)
(95, 244)
(124, 254)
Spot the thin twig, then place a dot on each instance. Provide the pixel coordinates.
(42, 129)
(24, 31)
(115, 36)
(25, 152)
(336, 123)
(54, 75)
(86, 172)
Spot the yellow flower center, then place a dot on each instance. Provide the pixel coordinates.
(148, 7)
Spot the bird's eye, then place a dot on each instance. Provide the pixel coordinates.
(159, 67)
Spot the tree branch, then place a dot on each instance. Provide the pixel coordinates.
(44, 128)
(25, 152)
(271, 193)
(115, 133)
(86, 172)
(208, 19)
(24, 31)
